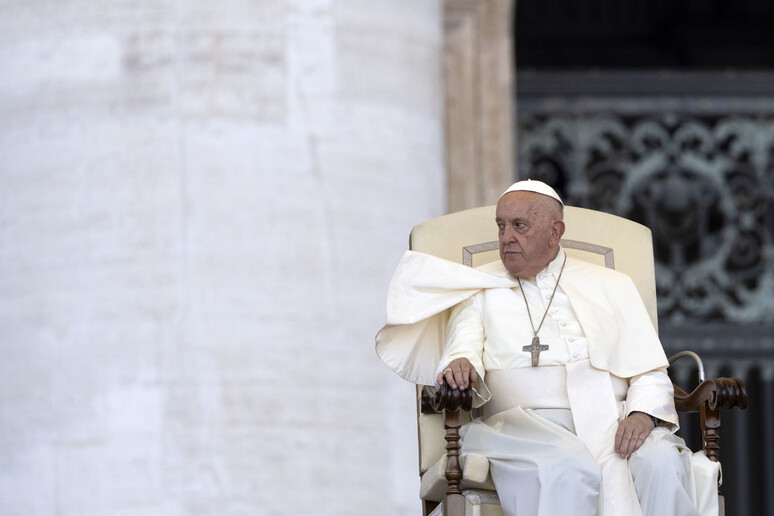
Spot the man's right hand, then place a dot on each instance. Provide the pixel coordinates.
(459, 374)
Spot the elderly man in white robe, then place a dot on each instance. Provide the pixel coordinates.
(579, 415)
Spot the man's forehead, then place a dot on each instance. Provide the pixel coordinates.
(519, 203)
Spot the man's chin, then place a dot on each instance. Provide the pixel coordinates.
(513, 265)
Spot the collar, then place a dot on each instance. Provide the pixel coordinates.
(555, 265)
(552, 269)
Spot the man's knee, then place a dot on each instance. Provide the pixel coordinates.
(661, 473)
(660, 457)
(574, 469)
(557, 484)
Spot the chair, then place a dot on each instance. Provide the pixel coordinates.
(470, 237)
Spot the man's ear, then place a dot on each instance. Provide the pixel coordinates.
(557, 230)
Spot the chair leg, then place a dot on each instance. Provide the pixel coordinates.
(454, 503)
(710, 423)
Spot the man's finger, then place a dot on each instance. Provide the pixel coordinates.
(624, 446)
(631, 445)
(626, 440)
(620, 436)
(452, 378)
(459, 378)
(468, 374)
(637, 443)
(448, 373)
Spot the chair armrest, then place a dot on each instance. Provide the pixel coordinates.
(709, 398)
(718, 393)
(438, 399)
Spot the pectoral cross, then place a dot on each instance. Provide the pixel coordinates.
(535, 348)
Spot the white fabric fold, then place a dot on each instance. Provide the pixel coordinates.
(538, 458)
(533, 387)
(653, 393)
(596, 422)
(515, 437)
(623, 342)
(595, 418)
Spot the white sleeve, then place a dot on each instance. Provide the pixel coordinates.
(465, 339)
(653, 393)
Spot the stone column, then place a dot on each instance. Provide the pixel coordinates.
(479, 79)
(201, 205)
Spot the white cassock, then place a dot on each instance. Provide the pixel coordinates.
(555, 423)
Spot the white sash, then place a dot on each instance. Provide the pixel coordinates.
(591, 396)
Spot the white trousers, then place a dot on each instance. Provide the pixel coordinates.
(540, 468)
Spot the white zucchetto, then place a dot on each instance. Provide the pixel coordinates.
(530, 185)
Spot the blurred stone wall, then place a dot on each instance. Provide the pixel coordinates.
(201, 205)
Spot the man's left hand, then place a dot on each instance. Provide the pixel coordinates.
(631, 433)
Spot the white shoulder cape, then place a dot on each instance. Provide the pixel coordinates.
(620, 334)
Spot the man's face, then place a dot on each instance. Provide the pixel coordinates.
(530, 228)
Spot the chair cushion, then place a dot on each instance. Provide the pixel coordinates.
(475, 475)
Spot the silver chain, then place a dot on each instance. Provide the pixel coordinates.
(535, 332)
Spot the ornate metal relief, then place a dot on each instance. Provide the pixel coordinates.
(702, 182)
(691, 156)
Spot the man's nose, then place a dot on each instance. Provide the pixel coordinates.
(509, 235)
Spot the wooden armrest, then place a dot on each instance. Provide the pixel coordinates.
(709, 398)
(718, 393)
(438, 399)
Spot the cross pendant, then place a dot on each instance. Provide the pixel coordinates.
(535, 349)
